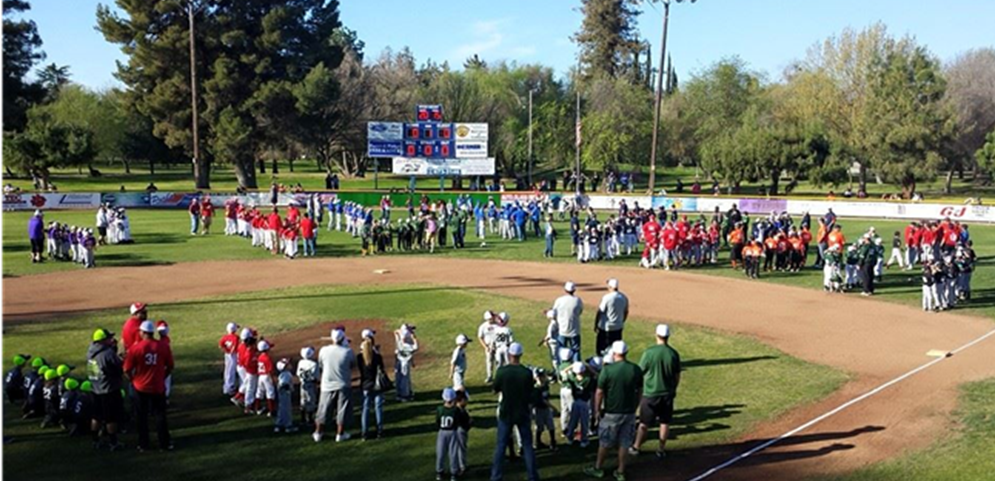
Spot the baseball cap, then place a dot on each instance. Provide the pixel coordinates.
(569, 286)
(448, 394)
(337, 336)
(504, 316)
(565, 353)
(86, 386)
(71, 384)
(246, 334)
(51, 374)
(231, 328)
(662, 330)
(282, 364)
(307, 352)
(461, 339)
(577, 367)
(488, 315)
(368, 333)
(262, 346)
(613, 283)
(550, 313)
(619, 347)
(515, 349)
(102, 335)
(147, 327)
(162, 327)
(138, 307)
(21, 359)
(37, 362)
(63, 369)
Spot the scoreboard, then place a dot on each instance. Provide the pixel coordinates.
(431, 146)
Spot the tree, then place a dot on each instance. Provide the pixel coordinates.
(607, 39)
(20, 53)
(250, 54)
(986, 154)
(46, 144)
(53, 78)
(971, 95)
(616, 125)
(98, 113)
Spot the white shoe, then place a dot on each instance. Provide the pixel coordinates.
(316, 437)
(342, 437)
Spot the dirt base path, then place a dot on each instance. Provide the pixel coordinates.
(874, 341)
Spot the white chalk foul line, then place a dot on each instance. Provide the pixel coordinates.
(841, 407)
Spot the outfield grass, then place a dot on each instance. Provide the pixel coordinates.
(307, 173)
(731, 383)
(968, 454)
(162, 237)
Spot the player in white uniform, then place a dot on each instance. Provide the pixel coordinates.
(485, 335)
(551, 341)
(503, 339)
(457, 365)
(308, 373)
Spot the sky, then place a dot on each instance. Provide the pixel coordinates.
(767, 34)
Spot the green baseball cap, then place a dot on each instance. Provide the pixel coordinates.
(37, 362)
(71, 384)
(86, 386)
(42, 370)
(51, 374)
(63, 369)
(21, 359)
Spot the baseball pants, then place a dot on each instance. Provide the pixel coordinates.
(249, 386)
(265, 390)
(445, 447)
(230, 386)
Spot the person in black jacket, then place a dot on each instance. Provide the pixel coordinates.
(371, 365)
(105, 371)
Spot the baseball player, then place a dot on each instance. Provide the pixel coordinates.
(503, 338)
(447, 419)
(13, 381)
(265, 388)
(285, 387)
(457, 365)
(485, 335)
(229, 349)
(162, 328)
(406, 345)
(248, 359)
(580, 412)
(543, 412)
(566, 394)
(308, 374)
(551, 341)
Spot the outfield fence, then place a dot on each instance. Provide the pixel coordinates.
(695, 204)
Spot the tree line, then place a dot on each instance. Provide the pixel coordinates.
(286, 79)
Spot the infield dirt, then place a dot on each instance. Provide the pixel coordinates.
(872, 341)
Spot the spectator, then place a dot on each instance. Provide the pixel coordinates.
(514, 385)
(194, 210)
(336, 362)
(103, 220)
(568, 308)
(370, 366)
(661, 368)
(148, 363)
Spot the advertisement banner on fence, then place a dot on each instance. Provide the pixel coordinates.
(126, 199)
(612, 202)
(471, 150)
(684, 204)
(443, 167)
(471, 133)
(763, 206)
(384, 139)
(27, 201)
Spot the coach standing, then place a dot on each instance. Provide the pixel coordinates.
(103, 367)
(612, 313)
(130, 329)
(514, 384)
(568, 309)
(619, 387)
(36, 235)
(148, 363)
(661, 366)
(336, 362)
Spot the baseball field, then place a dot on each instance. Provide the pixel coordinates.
(762, 357)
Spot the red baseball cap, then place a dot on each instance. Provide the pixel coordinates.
(138, 307)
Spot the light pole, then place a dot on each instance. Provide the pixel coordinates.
(659, 92)
(530, 137)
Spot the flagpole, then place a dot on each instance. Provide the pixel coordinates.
(577, 149)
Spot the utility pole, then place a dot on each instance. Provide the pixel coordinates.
(577, 153)
(654, 150)
(200, 168)
(530, 139)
